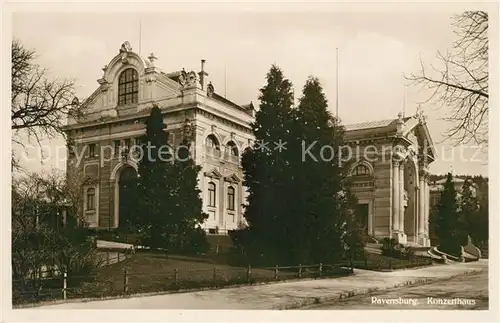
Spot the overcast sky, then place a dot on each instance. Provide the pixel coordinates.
(375, 50)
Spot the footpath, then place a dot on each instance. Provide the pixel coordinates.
(284, 295)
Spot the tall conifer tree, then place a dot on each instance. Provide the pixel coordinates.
(187, 205)
(154, 187)
(469, 207)
(266, 169)
(324, 201)
(445, 219)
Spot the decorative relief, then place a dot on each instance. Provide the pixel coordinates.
(188, 129)
(234, 179)
(362, 184)
(210, 89)
(188, 79)
(152, 58)
(214, 173)
(124, 50)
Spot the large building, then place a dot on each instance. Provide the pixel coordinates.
(113, 118)
(390, 176)
(438, 186)
(392, 188)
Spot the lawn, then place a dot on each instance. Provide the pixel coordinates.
(154, 272)
(381, 262)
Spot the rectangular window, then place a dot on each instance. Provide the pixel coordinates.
(230, 198)
(117, 147)
(211, 194)
(91, 199)
(92, 150)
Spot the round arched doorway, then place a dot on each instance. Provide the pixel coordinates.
(127, 207)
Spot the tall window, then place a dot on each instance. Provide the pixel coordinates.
(232, 149)
(230, 198)
(92, 150)
(361, 170)
(128, 87)
(211, 194)
(91, 198)
(117, 147)
(212, 142)
(128, 143)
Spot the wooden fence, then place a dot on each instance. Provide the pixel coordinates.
(67, 286)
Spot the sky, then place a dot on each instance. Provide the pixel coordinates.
(375, 50)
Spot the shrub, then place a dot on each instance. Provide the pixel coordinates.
(195, 242)
(392, 248)
(451, 247)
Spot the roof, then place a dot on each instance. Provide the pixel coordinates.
(387, 125)
(369, 125)
(454, 180)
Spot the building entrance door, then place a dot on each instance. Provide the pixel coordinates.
(362, 216)
(127, 198)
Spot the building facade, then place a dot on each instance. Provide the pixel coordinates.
(391, 185)
(437, 187)
(390, 177)
(112, 120)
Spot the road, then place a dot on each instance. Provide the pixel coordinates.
(471, 290)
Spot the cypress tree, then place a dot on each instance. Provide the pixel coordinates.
(324, 205)
(266, 169)
(154, 189)
(445, 219)
(469, 208)
(186, 202)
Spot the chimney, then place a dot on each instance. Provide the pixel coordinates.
(202, 74)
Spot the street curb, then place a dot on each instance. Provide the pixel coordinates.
(309, 301)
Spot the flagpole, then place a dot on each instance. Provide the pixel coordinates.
(225, 80)
(404, 100)
(337, 81)
(140, 34)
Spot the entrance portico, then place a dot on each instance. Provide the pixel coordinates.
(393, 178)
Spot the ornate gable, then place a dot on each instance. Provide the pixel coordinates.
(214, 173)
(418, 135)
(233, 178)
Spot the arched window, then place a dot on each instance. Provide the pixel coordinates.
(231, 148)
(91, 198)
(128, 87)
(361, 170)
(211, 194)
(212, 142)
(230, 198)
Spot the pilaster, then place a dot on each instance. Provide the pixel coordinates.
(402, 236)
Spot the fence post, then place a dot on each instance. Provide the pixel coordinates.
(176, 273)
(300, 271)
(65, 284)
(276, 272)
(390, 264)
(107, 257)
(118, 256)
(125, 281)
(320, 269)
(215, 276)
(249, 272)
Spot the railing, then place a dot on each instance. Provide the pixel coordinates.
(231, 158)
(212, 152)
(97, 285)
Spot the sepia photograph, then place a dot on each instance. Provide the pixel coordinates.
(286, 158)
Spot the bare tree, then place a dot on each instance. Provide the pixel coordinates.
(40, 105)
(461, 80)
(39, 243)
